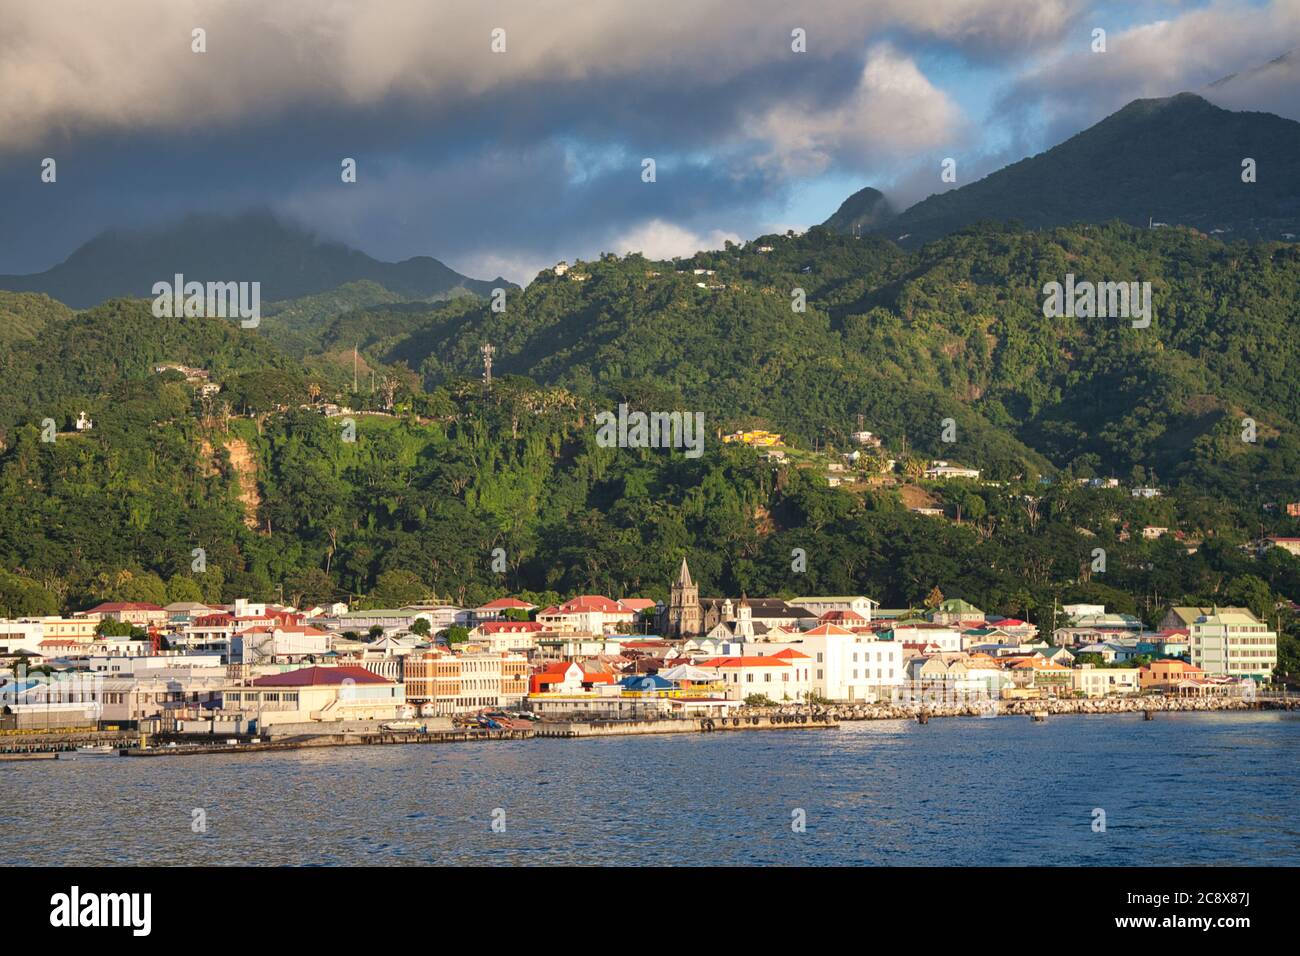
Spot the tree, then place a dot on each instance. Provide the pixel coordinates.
(934, 598)
(421, 626)
(376, 632)
(1252, 592)
(182, 588)
(310, 587)
(457, 634)
(20, 597)
(399, 589)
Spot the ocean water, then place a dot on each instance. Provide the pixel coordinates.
(1181, 789)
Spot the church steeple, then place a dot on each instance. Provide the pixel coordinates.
(684, 614)
(684, 576)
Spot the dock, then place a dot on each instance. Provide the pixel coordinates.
(551, 729)
(690, 725)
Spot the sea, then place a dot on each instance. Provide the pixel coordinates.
(1182, 789)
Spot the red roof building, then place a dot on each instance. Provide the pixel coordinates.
(509, 627)
(321, 677)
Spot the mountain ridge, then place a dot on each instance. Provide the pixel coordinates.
(1174, 160)
(256, 245)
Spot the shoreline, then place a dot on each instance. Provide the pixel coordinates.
(788, 718)
(914, 710)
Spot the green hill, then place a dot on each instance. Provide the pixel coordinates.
(953, 330)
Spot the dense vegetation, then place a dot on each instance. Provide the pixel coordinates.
(418, 505)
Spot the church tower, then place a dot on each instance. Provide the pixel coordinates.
(683, 607)
(744, 626)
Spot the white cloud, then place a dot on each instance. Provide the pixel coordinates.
(657, 239)
(1167, 56)
(894, 111)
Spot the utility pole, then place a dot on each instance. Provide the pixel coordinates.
(488, 351)
(354, 368)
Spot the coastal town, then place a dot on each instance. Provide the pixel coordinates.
(192, 675)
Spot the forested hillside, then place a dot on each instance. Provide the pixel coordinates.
(955, 329)
(442, 474)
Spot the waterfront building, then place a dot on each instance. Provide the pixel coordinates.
(850, 666)
(1092, 681)
(1182, 618)
(783, 677)
(1233, 643)
(316, 695)
(1165, 674)
(1043, 675)
(442, 683)
(566, 677)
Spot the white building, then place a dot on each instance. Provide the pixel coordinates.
(1094, 681)
(1076, 611)
(857, 603)
(587, 614)
(289, 642)
(947, 637)
(943, 469)
(25, 635)
(783, 677)
(852, 667)
(1233, 643)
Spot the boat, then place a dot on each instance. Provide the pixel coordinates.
(402, 725)
(96, 750)
(1038, 716)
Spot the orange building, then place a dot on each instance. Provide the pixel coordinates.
(1167, 673)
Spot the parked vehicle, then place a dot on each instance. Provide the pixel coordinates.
(405, 726)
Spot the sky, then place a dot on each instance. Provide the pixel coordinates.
(503, 161)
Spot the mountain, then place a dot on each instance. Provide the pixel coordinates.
(954, 330)
(289, 261)
(1176, 160)
(865, 211)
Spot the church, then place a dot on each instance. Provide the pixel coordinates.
(686, 615)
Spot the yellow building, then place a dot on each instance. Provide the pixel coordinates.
(756, 437)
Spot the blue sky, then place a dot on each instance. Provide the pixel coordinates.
(504, 162)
